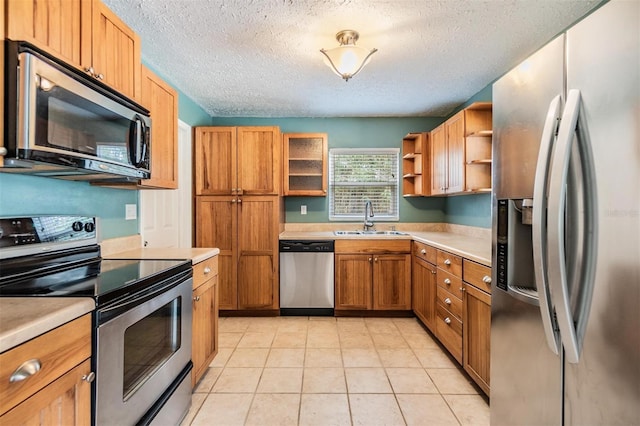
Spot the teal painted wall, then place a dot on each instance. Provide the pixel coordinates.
(31, 195)
(353, 133)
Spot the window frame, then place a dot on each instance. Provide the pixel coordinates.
(360, 216)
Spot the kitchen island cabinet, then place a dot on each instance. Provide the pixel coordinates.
(50, 377)
(373, 275)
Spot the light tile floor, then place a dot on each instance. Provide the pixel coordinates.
(333, 371)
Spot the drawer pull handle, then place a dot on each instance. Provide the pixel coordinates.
(89, 377)
(447, 262)
(447, 301)
(486, 279)
(447, 281)
(447, 320)
(207, 270)
(423, 251)
(26, 370)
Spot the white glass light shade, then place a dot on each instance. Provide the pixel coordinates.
(347, 59)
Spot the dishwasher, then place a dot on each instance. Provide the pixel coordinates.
(306, 277)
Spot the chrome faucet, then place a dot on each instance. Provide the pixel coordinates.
(368, 212)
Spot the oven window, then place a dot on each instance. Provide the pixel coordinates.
(149, 343)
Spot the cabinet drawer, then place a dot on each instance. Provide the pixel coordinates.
(450, 263)
(204, 270)
(373, 246)
(449, 331)
(57, 351)
(449, 301)
(477, 275)
(450, 283)
(425, 252)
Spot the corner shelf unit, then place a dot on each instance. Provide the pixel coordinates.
(305, 164)
(415, 165)
(478, 157)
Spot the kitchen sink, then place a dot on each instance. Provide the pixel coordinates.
(369, 233)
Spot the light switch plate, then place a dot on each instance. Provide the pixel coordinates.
(130, 212)
(303, 209)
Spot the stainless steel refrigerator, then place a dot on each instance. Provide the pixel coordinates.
(565, 319)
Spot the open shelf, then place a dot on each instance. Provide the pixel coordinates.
(414, 171)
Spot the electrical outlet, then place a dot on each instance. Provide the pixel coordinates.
(303, 209)
(130, 212)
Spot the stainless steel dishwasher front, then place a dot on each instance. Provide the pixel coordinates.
(306, 277)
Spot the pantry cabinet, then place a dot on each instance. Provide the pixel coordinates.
(245, 229)
(237, 160)
(461, 152)
(373, 275)
(205, 317)
(60, 392)
(84, 34)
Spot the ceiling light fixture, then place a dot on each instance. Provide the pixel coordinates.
(347, 59)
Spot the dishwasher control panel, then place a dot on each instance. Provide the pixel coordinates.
(301, 246)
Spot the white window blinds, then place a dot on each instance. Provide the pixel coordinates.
(358, 175)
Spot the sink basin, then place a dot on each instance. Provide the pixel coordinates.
(369, 233)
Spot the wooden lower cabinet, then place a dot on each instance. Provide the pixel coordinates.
(60, 392)
(370, 276)
(205, 317)
(423, 295)
(245, 229)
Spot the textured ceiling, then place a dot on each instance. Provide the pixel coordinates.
(255, 58)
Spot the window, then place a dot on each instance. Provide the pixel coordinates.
(358, 175)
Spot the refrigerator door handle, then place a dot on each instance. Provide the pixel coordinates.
(539, 224)
(572, 333)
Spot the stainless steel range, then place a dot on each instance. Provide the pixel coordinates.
(142, 321)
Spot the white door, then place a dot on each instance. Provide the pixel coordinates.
(165, 215)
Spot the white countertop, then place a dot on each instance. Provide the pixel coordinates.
(472, 248)
(23, 318)
(196, 255)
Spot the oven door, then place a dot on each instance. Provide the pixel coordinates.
(143, 344)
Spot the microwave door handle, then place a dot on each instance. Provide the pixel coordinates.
(136, 135)
(539, 227)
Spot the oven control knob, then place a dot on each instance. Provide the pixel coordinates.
(89, 227)
(77, 226)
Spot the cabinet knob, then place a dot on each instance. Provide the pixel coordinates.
(423, 251)
(462, 289)
(233, 200)
(486, 279)
(239, 200)
(89, 377)
(376, 259)
(433, 272)
(370, 259)
(196, 299)
(90, 71)
(447, 301)
(3, 151)
(447, 262)
(26, 370)
(447, 320)
(207, 270)
(100, 76)
(447, 281)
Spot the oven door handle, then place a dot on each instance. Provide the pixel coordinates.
(110, 312)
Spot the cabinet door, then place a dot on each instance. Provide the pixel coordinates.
(216, 226)
(353, 284)
(392, 282)
(455, 152)
(162, 101)
(258, 252)
(52, 25)
(215, 160)
(305, 164)
(424, 285)
(259, 167)
(476, 333)
(65, 401)
(438, 160)
(205, 328)
(115, 51)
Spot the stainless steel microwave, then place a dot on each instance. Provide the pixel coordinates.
(62, 123)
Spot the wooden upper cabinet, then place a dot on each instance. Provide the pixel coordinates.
(55, 26)
(305, 164)
(438, 160)
(82, 33)
(454, 128)
(162, 101)
(237, 161)
(259, 153)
